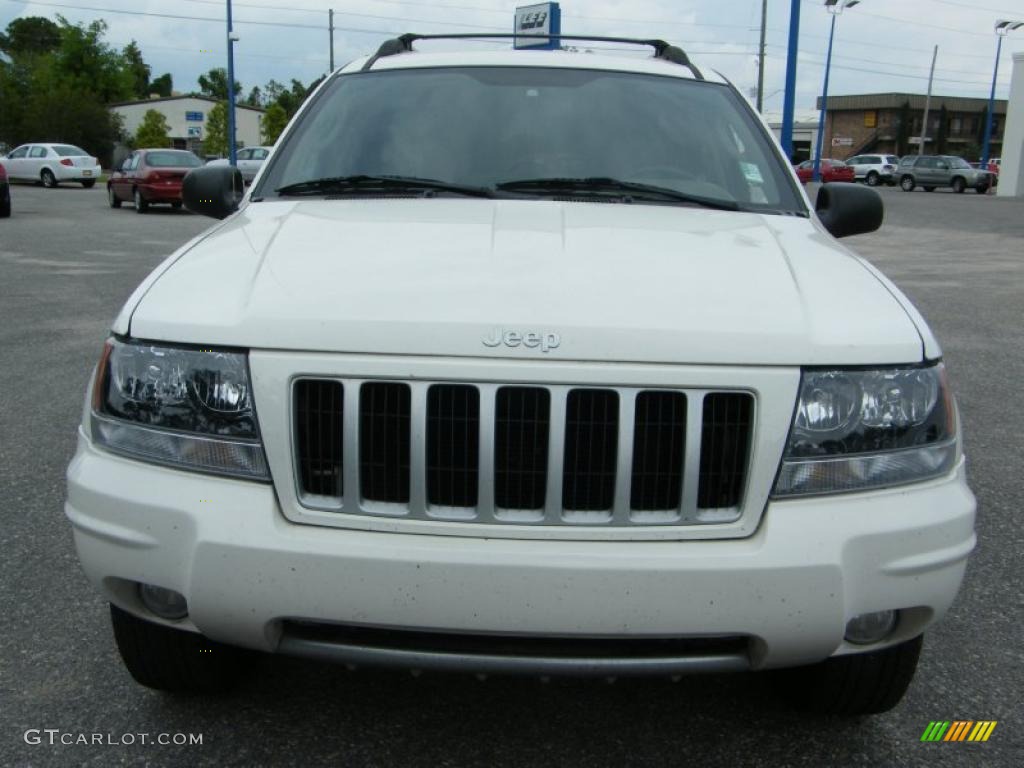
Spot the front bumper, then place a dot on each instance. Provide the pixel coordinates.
(249, 574)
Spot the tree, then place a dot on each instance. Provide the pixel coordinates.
(153, 132)
(30, 35)
(61, 91)
(215, 84)
(903, 129)
(273, 122)
(215, 142)
(162, 85)
(942, 133)
(255, 97)
(137, 68)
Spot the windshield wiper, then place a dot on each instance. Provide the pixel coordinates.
(366, 183)
(604, 184)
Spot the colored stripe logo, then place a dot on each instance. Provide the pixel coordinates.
(959, 730)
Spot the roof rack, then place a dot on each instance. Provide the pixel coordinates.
(662, 49)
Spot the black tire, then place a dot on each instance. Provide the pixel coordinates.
(175, 660)
(907, 183)
(857, 684)
(929, 189)
(959, 185)
(89, 183)
(141, 206)
(5, 204)
(176, 205)
(872, 179)
(981, 189)
(48, 179)
(113, 199)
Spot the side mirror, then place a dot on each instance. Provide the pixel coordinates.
(849, 209)
(213, 190)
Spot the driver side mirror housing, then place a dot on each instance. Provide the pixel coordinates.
(213, 190)
(848, 209)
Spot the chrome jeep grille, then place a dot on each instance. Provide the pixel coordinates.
(547, 455)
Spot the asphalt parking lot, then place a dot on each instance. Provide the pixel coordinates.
(67, 263)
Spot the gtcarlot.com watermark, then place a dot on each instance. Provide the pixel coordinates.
(56, 737)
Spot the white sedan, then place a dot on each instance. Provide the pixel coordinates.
(249, 161)
(52, 164)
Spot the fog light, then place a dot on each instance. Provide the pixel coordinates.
(165, 603)
(870, 627)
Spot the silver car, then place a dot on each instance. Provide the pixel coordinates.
(931, 171)
(250, 160)
(874, 169)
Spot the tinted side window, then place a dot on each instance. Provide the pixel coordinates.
(37, 152)
(18, 153)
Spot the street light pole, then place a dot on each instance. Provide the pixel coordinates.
(232, 158)
(760, 58)
(834, 7)
(330, 26)
(1003, 28)
(789, 98)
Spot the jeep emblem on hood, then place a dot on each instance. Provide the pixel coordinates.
(531, 339)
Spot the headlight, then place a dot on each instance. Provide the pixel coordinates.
(854, 430)
(185, 407)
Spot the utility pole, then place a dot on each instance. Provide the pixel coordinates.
(760, 57)
(789, 101)
(330, 24)
(232, 37)
(927, 104)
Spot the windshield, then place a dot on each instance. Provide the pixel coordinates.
(171, 159)
(958, 162)
(488, 126)
(66, 150)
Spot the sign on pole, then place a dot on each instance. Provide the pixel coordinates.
(534, 24)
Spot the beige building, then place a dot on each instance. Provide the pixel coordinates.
(186, 116)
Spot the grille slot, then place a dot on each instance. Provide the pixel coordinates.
(725, 444)
(591, 449)
(453, 445)
(319, 413)
(523, 454)
(659, 438)
(522, 424)
(384, 421)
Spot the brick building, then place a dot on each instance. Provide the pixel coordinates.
(889, 123)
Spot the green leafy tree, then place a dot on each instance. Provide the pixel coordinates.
(255, 97)
(215, 84)
(60, 91)
(153, 132)
(215, 142)
(162, 85)
(137, 68)
(273, 122)
(30, 35)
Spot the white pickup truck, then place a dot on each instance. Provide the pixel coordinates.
(524, 361)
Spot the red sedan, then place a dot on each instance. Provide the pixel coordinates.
(150, 176)
(831, 170)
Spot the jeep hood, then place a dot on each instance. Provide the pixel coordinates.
(615, 282)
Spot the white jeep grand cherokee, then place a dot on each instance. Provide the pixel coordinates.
(524, 361)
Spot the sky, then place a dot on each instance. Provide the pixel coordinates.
(880, 45)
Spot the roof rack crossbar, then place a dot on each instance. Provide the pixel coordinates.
(662, 49)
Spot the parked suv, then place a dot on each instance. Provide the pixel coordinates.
(567, 377)
(931, 171)
(874, 169)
